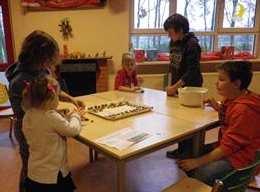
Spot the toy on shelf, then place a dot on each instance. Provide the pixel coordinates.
(77, 55)
(82, 55)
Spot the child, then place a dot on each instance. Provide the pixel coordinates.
(126, 78)
(239, 135)
(184, 66)
(184, 54)
(45, 131)
(39, 56)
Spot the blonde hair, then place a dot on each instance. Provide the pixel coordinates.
(128, 60)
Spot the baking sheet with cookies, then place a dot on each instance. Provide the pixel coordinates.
(118, 109)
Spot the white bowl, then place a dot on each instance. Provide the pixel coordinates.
(192, 96)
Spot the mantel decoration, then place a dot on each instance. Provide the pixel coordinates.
(62, 4)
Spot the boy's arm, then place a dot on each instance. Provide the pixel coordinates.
(190, 164)
(172, 90)
(213, 103)
(64, 127)
(241, 130)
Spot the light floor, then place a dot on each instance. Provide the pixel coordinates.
(150, 173)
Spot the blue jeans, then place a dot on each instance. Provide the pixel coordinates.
(212, 171)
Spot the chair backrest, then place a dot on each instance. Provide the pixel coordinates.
(4, 98)
(237, 180)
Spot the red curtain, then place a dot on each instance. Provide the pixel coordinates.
(8, 34)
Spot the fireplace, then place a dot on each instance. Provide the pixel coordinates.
(85, 76)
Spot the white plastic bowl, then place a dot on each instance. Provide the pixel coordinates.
(192, 96)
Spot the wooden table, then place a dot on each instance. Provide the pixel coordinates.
(168, 123)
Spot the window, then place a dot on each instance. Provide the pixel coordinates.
(241, 43)
(6, 49)
(203, 19)
(216, 23)
(150, 14)
(239, 14)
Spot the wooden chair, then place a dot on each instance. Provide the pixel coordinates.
(235, 181)
(6, 109)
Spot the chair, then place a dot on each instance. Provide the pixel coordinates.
(236, 181)
(6, 109)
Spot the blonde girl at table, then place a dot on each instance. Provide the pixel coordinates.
(45, 131)
(126, 78)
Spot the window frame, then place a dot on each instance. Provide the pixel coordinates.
(219, 30)
(8, 34)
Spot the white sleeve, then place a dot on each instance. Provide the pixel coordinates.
(64, 127)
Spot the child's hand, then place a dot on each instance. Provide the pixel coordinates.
(137, 88)
(171, 90)
(80, 112)
(189, 164)
(78, 103)
(212, 102)
(63, 112)
(140, 80)
(133, 89)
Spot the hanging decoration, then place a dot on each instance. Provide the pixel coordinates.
(66, 29)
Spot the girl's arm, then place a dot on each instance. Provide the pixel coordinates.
(140, 81)
(128, 89)
(67, 98)
(64, 127)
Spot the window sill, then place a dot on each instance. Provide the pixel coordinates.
(158, 67)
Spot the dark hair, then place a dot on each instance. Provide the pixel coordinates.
(238, 70)
(39, 90)
(38, 48)
(177, 22)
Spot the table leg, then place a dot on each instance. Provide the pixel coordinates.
(95, 155)
(198, 141)
(120, 176)
(91, 158)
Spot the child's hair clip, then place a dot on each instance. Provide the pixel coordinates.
(51, 88)
(27, 85)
